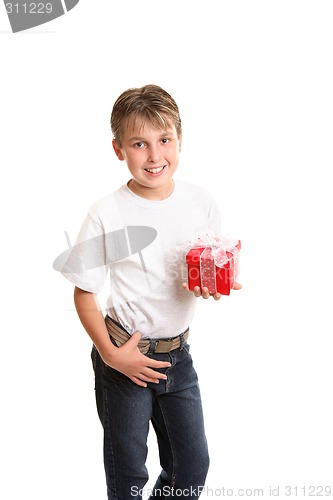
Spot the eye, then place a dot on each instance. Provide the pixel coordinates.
(165, 140)
(139, 145)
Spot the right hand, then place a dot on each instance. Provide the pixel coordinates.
(128, 360)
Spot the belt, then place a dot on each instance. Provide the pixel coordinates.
(120, 336)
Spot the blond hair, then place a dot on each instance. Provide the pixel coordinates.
(149, 103)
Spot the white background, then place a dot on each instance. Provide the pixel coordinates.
(253, 80)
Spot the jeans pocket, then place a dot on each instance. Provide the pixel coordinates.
(186, 348)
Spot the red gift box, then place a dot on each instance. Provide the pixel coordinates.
(213, 267)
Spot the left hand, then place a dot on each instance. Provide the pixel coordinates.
(205, 294)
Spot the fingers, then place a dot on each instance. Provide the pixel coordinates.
(139, 382)
(154, 376)
(135, 339)
(148, 375)
(137, 367)
(153, 363)
(197, 291)
(204, 293)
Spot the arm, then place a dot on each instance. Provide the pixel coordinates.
(126, 359)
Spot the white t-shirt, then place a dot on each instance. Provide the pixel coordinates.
(138, 243)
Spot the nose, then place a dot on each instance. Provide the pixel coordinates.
(154, 154)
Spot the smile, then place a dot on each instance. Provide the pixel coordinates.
(156, 170)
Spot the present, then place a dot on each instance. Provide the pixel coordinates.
(213, 263)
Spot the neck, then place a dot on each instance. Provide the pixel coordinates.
(153, 194)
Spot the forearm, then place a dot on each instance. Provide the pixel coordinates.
(92, 319)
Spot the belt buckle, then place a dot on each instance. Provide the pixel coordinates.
(163, 346)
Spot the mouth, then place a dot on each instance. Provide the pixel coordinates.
(155, 170)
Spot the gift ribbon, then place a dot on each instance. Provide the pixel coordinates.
(207, 270)
(214, 254)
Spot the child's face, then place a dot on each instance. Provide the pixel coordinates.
(152, 157)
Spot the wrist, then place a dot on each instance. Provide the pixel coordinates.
(108, 352)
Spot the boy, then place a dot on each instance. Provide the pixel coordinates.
(143, 369)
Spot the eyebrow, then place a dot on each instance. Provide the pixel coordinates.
(163, 134)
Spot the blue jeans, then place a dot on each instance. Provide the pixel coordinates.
(174, 408)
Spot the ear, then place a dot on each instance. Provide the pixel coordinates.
(117, 150)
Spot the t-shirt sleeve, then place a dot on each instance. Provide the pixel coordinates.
(85, 262)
